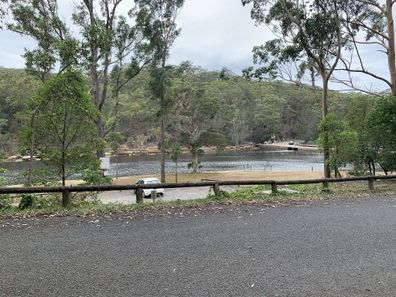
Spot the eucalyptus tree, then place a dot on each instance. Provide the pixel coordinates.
(370, 26)
(157, 19)
(109, 39)
(3, 11)
(106, 38)
(308, 34)
(129, 41)
(194, 112)
(40, 20)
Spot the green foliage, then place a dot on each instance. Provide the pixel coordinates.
(175, 151)
(310, 37)
(84, 202)
(2, 180)
(5, 203)
(157, 20)
(381, 129)
(39, 19)
(41, 177)
(64, 127)
(115, 139)
(92, 175)
(27, 201)
(194, 113)
(341, 143)
(46, 202)
(250, 111)
(15, 87)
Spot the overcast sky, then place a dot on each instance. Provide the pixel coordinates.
(215, 34)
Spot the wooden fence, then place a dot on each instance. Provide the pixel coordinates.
(216, 185)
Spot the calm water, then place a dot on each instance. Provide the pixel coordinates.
(246, 161)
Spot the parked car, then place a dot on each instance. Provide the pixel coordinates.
(150, 181)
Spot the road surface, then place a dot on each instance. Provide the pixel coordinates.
(340, 248)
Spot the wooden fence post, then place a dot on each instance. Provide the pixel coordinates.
(66, 201)
(153, 195)
(274, 188)
(139, 196)
(371, 184)
(216, 189)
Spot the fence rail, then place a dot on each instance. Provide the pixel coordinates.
(215, 184)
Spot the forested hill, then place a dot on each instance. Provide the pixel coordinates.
(246, 111)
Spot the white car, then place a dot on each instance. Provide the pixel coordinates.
(150, 181)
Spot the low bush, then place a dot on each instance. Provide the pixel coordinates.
(5, 203)
(27, 201)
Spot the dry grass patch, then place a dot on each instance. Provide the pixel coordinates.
(226, 176)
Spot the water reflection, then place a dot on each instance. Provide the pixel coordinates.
(267, 161)
(246, 161)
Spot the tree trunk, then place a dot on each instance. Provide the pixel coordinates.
(162, 133)
(391, 45)
(176, 170)
(32, 128)
(100, 152)
(94, 79)
(195, 166)
(326, 152)
(162, 149)
(63, 168)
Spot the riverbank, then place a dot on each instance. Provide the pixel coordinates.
(225, 176)
(210, 150)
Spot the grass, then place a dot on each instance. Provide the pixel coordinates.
(259, 195)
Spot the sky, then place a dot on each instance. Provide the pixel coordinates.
(215, 34)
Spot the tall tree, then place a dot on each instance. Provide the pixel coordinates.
(341, 142)
(308, 33)
(194, 112)
(106, 39)
(381, 128)
(40, 20)
(370, 26)
(65, 129)
(157, 18)
(3, 11)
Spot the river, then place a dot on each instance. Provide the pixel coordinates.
(280, 160)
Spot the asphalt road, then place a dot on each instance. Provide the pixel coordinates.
(341, 248)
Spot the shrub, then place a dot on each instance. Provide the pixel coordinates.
(45, 202)
(95, 177)
(27, 201)
(5, 203)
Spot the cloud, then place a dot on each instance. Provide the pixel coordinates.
(215, 34)
(12, 48)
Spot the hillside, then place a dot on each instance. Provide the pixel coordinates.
(248, 111)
